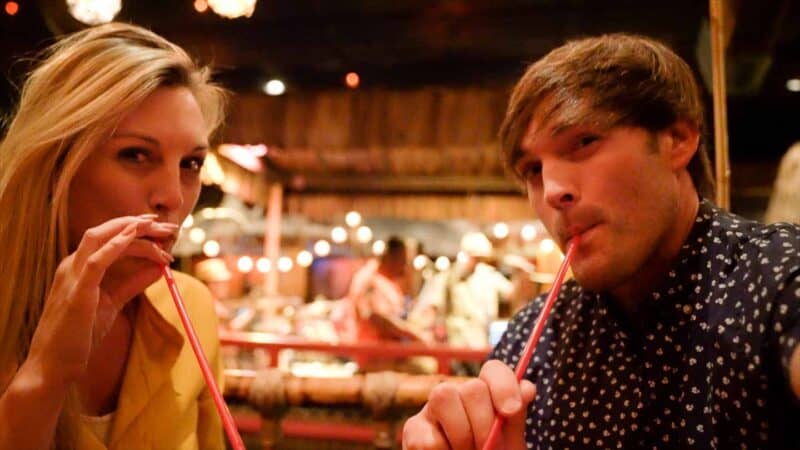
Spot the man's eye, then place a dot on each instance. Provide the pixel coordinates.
(586, 140)
(531, 170)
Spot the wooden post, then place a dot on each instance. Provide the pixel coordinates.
(718, 13)
(272, 238)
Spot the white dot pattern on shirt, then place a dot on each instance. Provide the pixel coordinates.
(710, 373)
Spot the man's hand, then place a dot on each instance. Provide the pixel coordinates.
(459, 416)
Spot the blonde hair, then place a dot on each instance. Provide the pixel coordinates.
(84, 86)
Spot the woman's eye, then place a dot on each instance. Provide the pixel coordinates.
(137, 155)
(193, 164)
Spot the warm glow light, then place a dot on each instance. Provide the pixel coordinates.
(363, 234)
(500, 230)
(304, 258)
(322, 248)
(547, 245)
(528, 232)
(274, 87)
(352, 80)
(94, 12)
(247, 156)
(378, 247)
(245, 264)
(352, 219)
(442, 263)
(420, 261)
(462, 257)
(211, 172)
(200, 5)
(232, 9)
(197, 235)
(338, 234)
(12, 8)
(263, 265)
(793, 85)
(285, 264)
(211, 248)
(188, 222)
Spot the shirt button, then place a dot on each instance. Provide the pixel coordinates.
(687, 309)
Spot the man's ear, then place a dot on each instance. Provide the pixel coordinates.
(684, 138)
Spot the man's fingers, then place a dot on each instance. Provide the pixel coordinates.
(514, 430)
(478, 405)
(504, 387)
(420, 434)
(445, 408)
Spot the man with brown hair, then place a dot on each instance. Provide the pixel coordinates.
(681, 327)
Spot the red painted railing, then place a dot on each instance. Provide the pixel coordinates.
(355, 350)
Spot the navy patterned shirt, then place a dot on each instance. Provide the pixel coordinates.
(711, 371)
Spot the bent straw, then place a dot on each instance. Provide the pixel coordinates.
(222, 408)
(533, 340)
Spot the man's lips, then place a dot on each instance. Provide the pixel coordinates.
(575, 230)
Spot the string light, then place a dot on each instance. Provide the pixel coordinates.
(200, 6)
(245, 264)
(352, 219)
(322, 248)
(363, 234)
(211, 248)
(233, 9)
(197, 235)
(274, 87)
(285, 264)
(352, 80)
(304, 258)
(528, 232)
(500, 230)
(420, 261)
(12, 8)
(263, 265)
(94, 12)
(338, 234)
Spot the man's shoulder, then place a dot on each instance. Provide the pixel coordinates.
(758, 238)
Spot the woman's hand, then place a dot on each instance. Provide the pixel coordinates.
(83, 302)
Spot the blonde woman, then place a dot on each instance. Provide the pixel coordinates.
(98, 168)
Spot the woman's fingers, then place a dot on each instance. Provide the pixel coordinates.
(95, 237)
(96, 264)
(146, 226)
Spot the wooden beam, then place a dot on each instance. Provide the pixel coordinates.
(404, 184)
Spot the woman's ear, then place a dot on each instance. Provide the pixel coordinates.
(684, 140)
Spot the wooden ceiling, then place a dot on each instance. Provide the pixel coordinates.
(434, 77)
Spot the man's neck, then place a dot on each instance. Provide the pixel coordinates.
(652, 274)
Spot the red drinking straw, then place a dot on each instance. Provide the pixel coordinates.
(533, 340)
(222, 408)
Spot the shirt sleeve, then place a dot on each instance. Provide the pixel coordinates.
(786, 322)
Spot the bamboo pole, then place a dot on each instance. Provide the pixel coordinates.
(722, 164)
(272, 239)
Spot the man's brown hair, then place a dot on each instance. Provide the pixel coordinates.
(609, 80)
